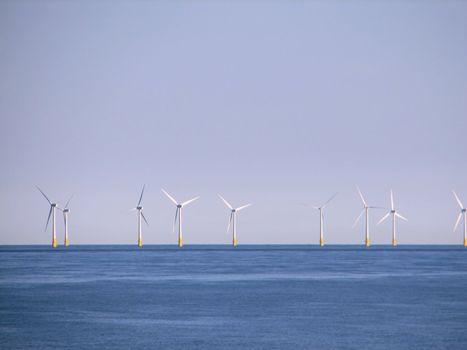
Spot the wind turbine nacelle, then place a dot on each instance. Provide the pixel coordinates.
(464, 210)
(393, 211)
(53, 205)
(66, 210)
(139, 208)
(233, 210)
(179, 205)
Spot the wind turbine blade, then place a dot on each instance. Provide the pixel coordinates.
(141, 197)
(392, 201)
(175, 220)
(226, 203)
(458, 200)
(170, 197)
(48, 200)
(356, 221)
(230, 221)
(243, 207)
(383, 218)
(133, 209)
(361, 196)
(69, 200)
(48, 218)
(188, 202)
(146, 221)
(329, 200)
(458, 220)
(400, 216)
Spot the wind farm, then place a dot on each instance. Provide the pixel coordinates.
(392, 213)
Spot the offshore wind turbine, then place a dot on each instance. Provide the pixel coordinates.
(461, 214)
(321, 220)
(65, 211)
(233, 219)
(53, 206)
(394, 214)
(178, 214)
(139, 208)
(366, 210)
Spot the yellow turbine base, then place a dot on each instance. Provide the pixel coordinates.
(180, 242)
(367, 242)
(66, 243)
(54, 243)
(234, 242)
(394, 243)
(321, 242)
(465, 242)
(140, 243)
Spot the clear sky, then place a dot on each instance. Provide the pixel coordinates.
(275, 103)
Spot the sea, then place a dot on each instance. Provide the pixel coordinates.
(220, 297)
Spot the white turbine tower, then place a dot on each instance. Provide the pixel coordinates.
(394, 213)
(321, 220)
(233, 219)
(178, 214)
(53, 206)
(366, 210)
(139, 208)
(65, 211)
(461, 214)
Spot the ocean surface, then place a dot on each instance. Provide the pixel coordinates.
(217, 297)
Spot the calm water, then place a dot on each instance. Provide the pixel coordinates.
(215, 297)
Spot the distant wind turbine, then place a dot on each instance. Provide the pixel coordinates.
(51, 212)
(139, 208)
(394, 213)
(178, 214)
(462, 213)
(366, 210)
(66, 210)
(321, 219)
(233, 219)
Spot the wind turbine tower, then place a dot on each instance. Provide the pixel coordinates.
(394, 213)
(139, 208)
(178, 215)
(463, 213)
(321, 220)
(53, 206)
(233, 219)
(66, 211)
(366, 210)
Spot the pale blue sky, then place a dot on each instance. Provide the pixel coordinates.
(275, 103)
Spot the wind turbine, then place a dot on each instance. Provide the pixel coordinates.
(233, 219)
(366, 210)
(321, 219)
(139, 208)
(65, 211)
(462, 213)
(394, 213)
(178, 214)
(51, 212)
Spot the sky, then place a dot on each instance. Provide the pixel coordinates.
(276, 103)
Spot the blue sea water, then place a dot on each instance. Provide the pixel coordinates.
(217, 297)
